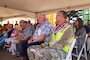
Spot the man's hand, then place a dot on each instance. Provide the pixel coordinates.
(76, 37)
(17, 41)
(30, 41)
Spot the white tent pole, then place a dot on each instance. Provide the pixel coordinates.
(1, 20)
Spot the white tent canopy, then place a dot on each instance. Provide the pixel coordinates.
(6, 12)
(31, 7)
(41, 5)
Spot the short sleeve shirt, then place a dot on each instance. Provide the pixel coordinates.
(28, 31)
(45, 28)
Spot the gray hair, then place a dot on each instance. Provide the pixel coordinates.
(42, 15)
(23, 21)
(64, 14)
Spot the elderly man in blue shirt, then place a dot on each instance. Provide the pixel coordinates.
(42, 32)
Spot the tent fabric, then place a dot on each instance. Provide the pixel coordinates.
(41, 5)
(31, 7)
(10, 13)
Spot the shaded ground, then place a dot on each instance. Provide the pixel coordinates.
(5, 55)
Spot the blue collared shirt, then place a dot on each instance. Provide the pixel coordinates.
(45, 28)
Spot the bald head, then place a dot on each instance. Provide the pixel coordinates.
(41, 18)
(41, 15)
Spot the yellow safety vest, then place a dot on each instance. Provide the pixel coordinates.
(56, 37)
(67, 47)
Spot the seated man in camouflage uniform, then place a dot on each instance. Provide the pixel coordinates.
(57, 47)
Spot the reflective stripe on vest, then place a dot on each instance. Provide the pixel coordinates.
(59, 34)
(67, 48)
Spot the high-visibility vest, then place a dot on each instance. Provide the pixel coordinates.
(57, 37)
(67, 47)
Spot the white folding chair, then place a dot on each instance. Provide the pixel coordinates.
(69, 55)
(78, 55)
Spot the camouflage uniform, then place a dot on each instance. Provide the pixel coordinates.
(54, 52)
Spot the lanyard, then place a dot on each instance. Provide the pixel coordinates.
(55, 30)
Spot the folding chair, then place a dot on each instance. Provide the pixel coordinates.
(69, 55)
(78, 55)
